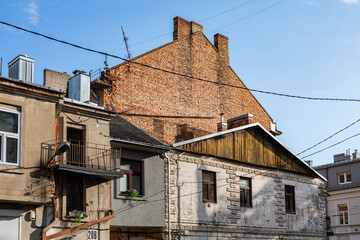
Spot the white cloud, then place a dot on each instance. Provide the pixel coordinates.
(33, 13)
(350, 1)
(311, 3)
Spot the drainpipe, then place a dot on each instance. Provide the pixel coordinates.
(169, 222)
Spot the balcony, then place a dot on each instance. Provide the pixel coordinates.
(94, 160)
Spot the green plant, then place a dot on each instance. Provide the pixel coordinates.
(133, 193)
(79, 215)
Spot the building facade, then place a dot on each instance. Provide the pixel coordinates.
(244, 184)
(56, 161)
(343, 187)
(140, 215)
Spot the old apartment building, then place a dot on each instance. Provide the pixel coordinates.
(56, 163)
(230, 178)
(243, 183)
(343, 202)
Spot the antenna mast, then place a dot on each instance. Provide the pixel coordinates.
(125, 40)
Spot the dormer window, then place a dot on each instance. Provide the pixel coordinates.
(344, 177)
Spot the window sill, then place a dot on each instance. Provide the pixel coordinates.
(209, 201)
(245, 206)
(291, 212)
(127, 197)
(344, 183)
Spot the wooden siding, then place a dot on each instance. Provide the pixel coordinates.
(251, 145)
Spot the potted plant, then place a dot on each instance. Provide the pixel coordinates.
(79, 215)
(133, 193)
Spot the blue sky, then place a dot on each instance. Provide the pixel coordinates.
(300, 47)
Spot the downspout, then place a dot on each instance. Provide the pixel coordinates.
(168, 193)
(178, 197)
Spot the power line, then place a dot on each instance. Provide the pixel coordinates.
(181, 74)
(249, 16)
(332, 145)
(203, 20)
(329, 137)
(218, 14)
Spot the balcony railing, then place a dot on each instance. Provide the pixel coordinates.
(87, 155)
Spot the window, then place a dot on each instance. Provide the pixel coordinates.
(245, 192)
(344, 177)
(9, 137)
(343, 214)
(209, 186)
(290, 199)
(133, 176)
(74, 195)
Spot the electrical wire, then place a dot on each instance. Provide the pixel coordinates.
(181, 74)
(329, 137)
(332, 145)
(226, 11)
(203, 20)
(249, 16)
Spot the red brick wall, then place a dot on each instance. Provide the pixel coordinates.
(148, 91)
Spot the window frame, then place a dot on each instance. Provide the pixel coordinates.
(343, 212)
(345, 177)
(130, 173)
(288, 197)
(208, 183)
(5, 135)
(246, 188)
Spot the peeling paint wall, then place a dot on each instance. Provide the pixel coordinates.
(226, 219)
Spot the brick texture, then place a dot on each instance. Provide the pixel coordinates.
(140, 90)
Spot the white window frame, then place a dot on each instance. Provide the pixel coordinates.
(345, 177)
(5, 135)
(338, 213)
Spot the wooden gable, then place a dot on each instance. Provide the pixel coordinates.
(251, 145)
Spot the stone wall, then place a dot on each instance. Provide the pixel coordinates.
(226, 219)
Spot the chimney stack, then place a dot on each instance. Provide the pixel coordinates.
(221, 43)
(222, 125)
(183, 28)
(240, 121)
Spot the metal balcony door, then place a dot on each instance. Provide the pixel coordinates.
(76, 155)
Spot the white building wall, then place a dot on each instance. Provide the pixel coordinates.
(351, 197)
(226, 219)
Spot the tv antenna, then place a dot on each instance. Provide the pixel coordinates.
(125, 40)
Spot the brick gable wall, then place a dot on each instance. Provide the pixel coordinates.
(148, 91)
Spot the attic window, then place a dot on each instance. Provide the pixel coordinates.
(344, 177)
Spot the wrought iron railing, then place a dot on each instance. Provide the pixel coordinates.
(87, 155)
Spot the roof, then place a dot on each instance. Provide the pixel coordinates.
(215, 135)
(121, 129)
(31, 84)
(339, 163)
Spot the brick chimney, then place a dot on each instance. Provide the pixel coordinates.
(240, 121)
(221, 43)
(222, 125)
(183, 28)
